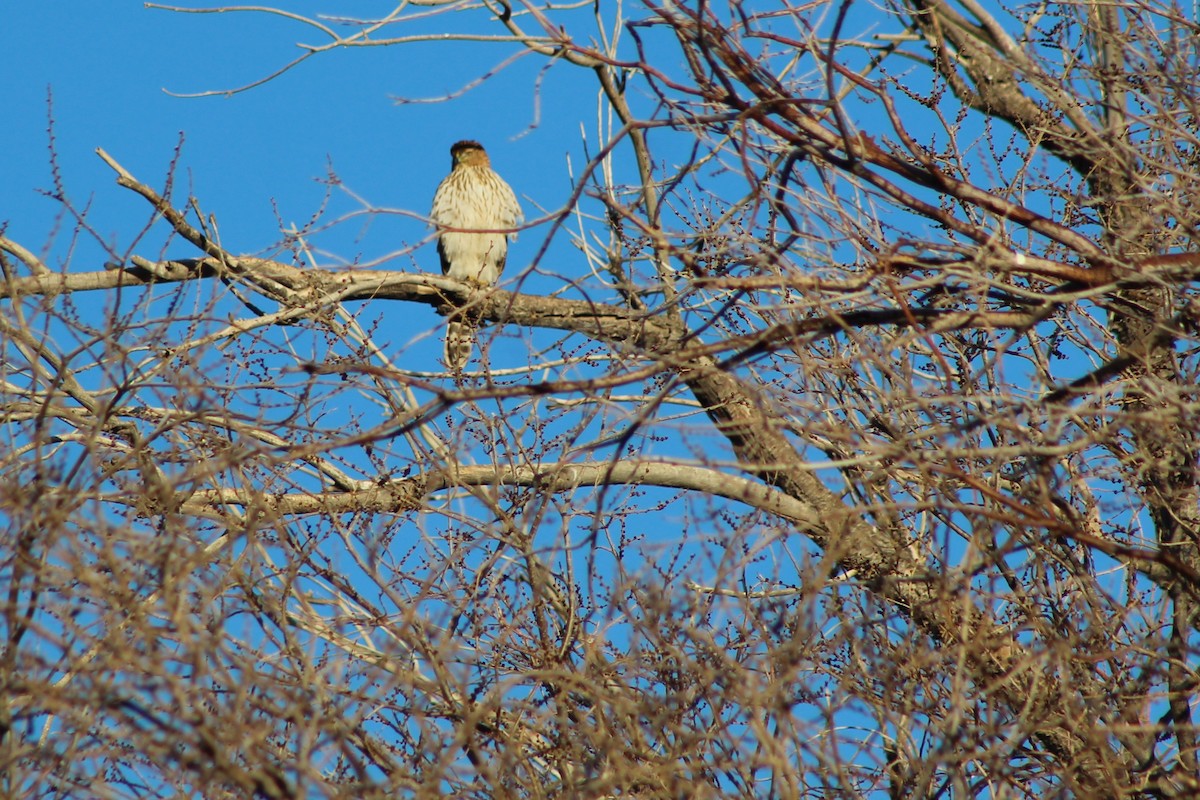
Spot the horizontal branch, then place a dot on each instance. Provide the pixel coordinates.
(319, 287)
(409, 495)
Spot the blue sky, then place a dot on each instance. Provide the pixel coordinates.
(109, 64)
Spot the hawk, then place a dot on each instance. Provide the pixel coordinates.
(472, 209)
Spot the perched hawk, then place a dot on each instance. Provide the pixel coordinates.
(472, 198)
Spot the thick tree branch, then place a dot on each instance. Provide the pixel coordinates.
(409, 495)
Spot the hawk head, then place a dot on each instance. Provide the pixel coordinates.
(468, 153)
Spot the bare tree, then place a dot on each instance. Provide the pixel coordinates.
(860, 457)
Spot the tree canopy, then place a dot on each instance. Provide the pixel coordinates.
(835, 436)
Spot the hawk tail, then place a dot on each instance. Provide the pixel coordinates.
(460, 339)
